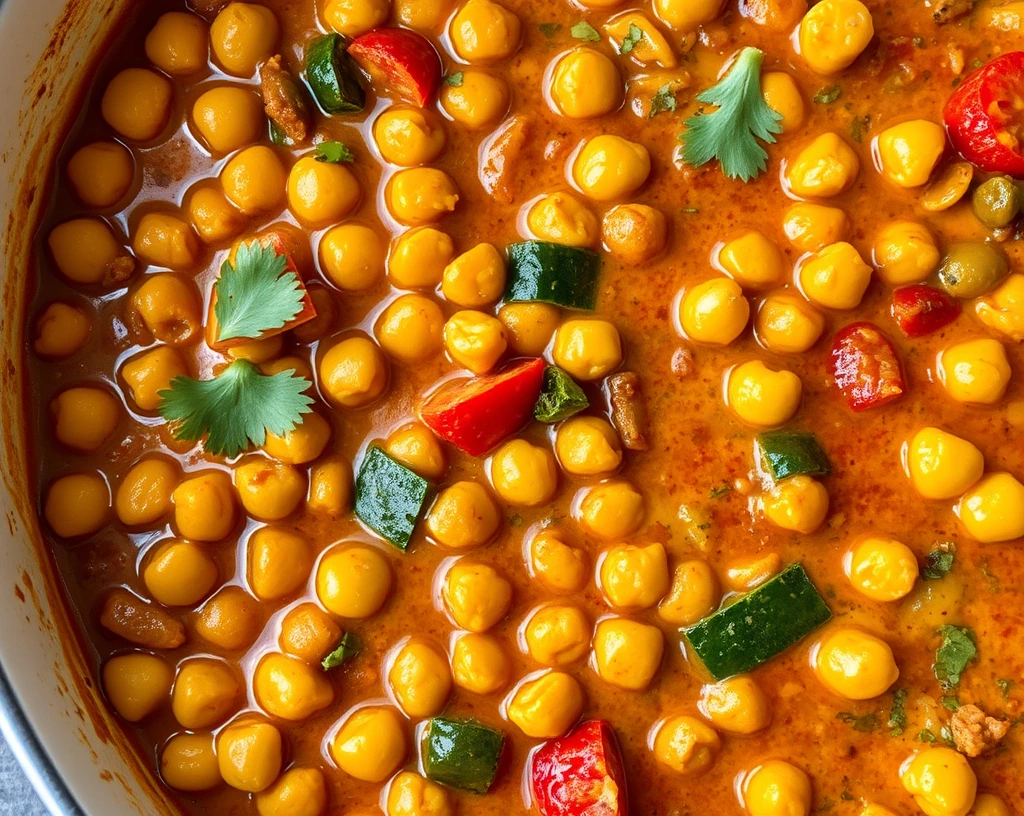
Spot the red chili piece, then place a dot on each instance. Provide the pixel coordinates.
(866, 367)
(985, 116)
(399, 61)
(921, 310)
(580, 774)
(476, 414)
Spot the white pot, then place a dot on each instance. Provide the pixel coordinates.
(50, 708)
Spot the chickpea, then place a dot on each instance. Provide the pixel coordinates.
(416, 447)
(330, 486)
(243, 35)
(554, 563)
(353, 256)
(737, 705)
(686, 744)
(854, 664)
(204, 506)
(162, 239)
(411, 328)
(354, 17)
(309, 633)
(475, 340)
(652, 46)
(634, 577)
(993, 510)
(291, 689)
(354, 372)
(941, 782)
(189, 763)
(229, 118)
(1003, 309)
(169, 308)
(254, 180)
(249, 753)
(524, 474)
(420, 679)
(811, 227)
(178, 44)
(824, 168)
(609, 167)
(634, 233)
(421, 195)
(419, 257)
(714, 312)
(479, 664)
(61, 331)
(137, 684)
(788, 324)
(230, 619)
(297, 792)
(353, 581)
(321, 192)
(975, 371)
(627, 654)
(588, 446)
(987, 804)
(268, 489)
(693, 595)
(546, 705)
(834, 33)
(941, 465)
(882, 569)
(101, 173)
(799, 504)
(463, 516)
(137, 104)
(782, 95)
(213, 217)
(612, 510)
(529, 327)
(409, 136)
(685, 15)
(144, 496)
(179, 573)
(87, 253)
(908, 153)
(371, 744)
(563, 219)
(205, 693)
(279, 563)
(411, 795)
(85, 417)
(326, 314)
(476, 596)
(481, 99)
(303, 443)
(904, 253)
(483, 31)
(763, 397)
(835, 277)
(750, 571)
(557, 635)
(256, 351)
(588, 349)
(752, 261)
(777, 788)
(475, 278)
(586, 84)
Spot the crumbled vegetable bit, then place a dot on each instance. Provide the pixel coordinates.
(348, 647)
(828, 94)
(236, 408)
(550, 30)
(632, 39)
(255, 294)
(586, 32)
(939, 562)
(334, 153)
(730, 134)
(865, 723)
(454, 80)
(897, 721)
(957, 650)
(663, 101)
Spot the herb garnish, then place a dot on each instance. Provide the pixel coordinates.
(865, 723)
(255, 294)
(549, 30)
(454, 80)
(939, 562)
(664, 100)
(897, 721)
(955, 652)
(585, 31)
(632, 39)
(334, 152)
(347, 648)
(828, 94)
(1006, 686)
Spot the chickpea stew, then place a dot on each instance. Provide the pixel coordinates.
(575, 408)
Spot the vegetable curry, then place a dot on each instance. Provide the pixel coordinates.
(566, 408)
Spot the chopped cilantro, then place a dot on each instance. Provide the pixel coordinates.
(859, 126)
(939, 562)
(454, 80)
(515, 521)
(730, 133)
(925, 736)
(950, 703)
(947, 736)
(632, 39)
(334, 153)
(585, 31)
(865, 723)
(897, 721)
(721, 490)
(664, 100)
(828, 94)
(347, 648)
(955, 652)
(549, 30)
(255, 294)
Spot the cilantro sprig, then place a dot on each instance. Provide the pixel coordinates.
(334, 152)
(730, 134)
(348, 647)
(255, 294)
(957, 649)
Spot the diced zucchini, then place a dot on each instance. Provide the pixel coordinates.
(759, 626)
(792, 453)
(462, 753)
(552, 273)
(560, 397)
(333, 76)
(389, 497)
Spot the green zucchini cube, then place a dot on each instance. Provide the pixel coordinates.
(389, 497)
(462, 754)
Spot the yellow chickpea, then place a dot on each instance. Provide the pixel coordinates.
(230, 619)
(752, 261)
(421, 195)
(249, 754)
(941, 465)
(371, 744)
(483, 31)
(1003, 309)
(242, 36)
(588, 446)
(882, 569)
(204, 506)
(693, 595)
(214, 218)
(308, 438)
(268, 489)
(229, 118)
(612, 510)
(524, 474)
(685, 15)
(609, 167)
(475, 278)
(975, 371)
(416, 447)
(782, 95)
(309, 633)
(188, 762)
(855, 664)
(423, 15)
(355, 17)
(563, 219)
(419, 257)
(652, 48)
(85, 417)
(529, 327)
(257, 351)
(475, 340)
(557, 635)
(634, 577)
(588, 348)
(254, 180)
(279, 563)
(101, 173)
(546, 705)
(205, 693)
(686, 744)
(162, 239)
(627, 654)
(835, 277)
(137, 684)
(777, 788)
(321, 192)
(560, 567)
(634, 233)
(144, 496)
(479, 664)
(411, 795)
(409, 136)
(169, 308)
(824, 168)
(987, 804)
(748, 572)
(941, 782)
(304, 443)
(420, 679)
(798, 504)
(714, 312)
(353, 256)
(353, 581)
(178, 44)
(811, 227)
(586, 84)
(908, 153)
(463, 516)
(993, 510)
(86, 252)
(737, 705)
(330, 486)
(476, 596)
(354, 372)
(61, 331)
(834, 33)
(411, 328)
(297, 792)
(137, 104)
(291, 689)
(763, 397)
(479, 100)
(179, 573)
(788, 324)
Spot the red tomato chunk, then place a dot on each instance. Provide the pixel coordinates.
(580, 774)
(866, 367)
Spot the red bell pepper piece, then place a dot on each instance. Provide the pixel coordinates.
(476, 414)
(985, 116)
(399, 61)
(921, 310)
(866, 367)
(580, 774)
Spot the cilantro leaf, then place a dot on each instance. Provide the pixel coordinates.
(730, 133)
(925, 736)
(865, 723)
(454, 80)
(334, 152)
(632, 39)
(939, 562)
(828, 94)
(663, 100)
(236, 408)
(955, 652)
(550, 30)
(255, 294)
(897, 721)
(348, 647)
(585, 31)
